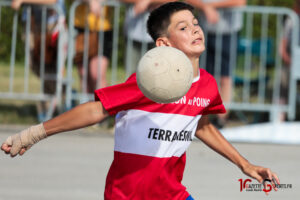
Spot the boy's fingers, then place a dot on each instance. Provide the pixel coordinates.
(23, 150)
(21, 142)
(275, 181)
(271, 176)
(276, 178)
(257, 176)
(274, 185)
(16, 146)
(5, 148)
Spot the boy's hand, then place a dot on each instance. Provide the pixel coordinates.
(261, 174)
(21, 142)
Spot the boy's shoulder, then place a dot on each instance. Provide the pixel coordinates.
(205, 75)
(207, 81)
(131, 78)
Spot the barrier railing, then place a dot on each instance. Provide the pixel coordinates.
(83, 95)
(255, 62)
(39, 92)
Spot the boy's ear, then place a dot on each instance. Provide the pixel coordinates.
(162, 41)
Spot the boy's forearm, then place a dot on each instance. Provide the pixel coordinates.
(79, 117)
(216, 141)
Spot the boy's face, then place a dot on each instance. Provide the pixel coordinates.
(185, 34)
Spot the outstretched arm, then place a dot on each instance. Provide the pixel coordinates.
(16, 4)
(210, 12)
(228, 3)
(210, 8)
(211, 136)
(79, 117)
(143, 6)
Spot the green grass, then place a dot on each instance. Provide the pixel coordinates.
(18, 84)
(17, 111)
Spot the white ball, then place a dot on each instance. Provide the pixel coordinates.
(164, 74)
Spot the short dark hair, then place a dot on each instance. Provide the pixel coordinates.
(159, 18)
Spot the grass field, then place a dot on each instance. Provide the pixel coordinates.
(13, 111)
(17, 111)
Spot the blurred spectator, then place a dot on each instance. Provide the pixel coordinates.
(97, 18)
(285, 52)
(136, 32)
(228, 25)
(135, 26)
(54, 24)
(137, 36)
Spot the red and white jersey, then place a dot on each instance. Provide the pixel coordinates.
(151, 138)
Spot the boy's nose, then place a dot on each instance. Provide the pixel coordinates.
(196, 30)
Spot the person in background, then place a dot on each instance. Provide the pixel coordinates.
(16, 4)
(97, 18)
(55, 25)
(228, 24)
(151, 139)
(139, 40)
(285, 52)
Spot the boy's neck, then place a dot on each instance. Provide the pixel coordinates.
(195, 64)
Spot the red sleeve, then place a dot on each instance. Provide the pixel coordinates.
(216, 105)
(120, 97)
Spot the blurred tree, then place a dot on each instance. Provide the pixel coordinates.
(6, 30)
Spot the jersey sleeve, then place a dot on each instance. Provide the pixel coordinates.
(120, 97)
(216, 105)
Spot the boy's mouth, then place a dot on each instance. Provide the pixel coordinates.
(197, 41)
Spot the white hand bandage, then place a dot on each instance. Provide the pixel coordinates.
(26, 138)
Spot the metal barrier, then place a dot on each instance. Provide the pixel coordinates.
(10, 92)
(258, 54)
(256, 64)
(255, 60)
(83, 95)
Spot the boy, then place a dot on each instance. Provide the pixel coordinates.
(151, 138)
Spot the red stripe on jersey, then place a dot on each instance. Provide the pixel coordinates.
(202, 98)
(127, 179)
(148, 164)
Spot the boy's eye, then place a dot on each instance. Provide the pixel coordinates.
(196, 24)
(183, 28)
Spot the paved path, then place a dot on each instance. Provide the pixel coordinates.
(73, 166)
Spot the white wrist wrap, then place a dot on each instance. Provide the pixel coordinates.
(26, 138)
